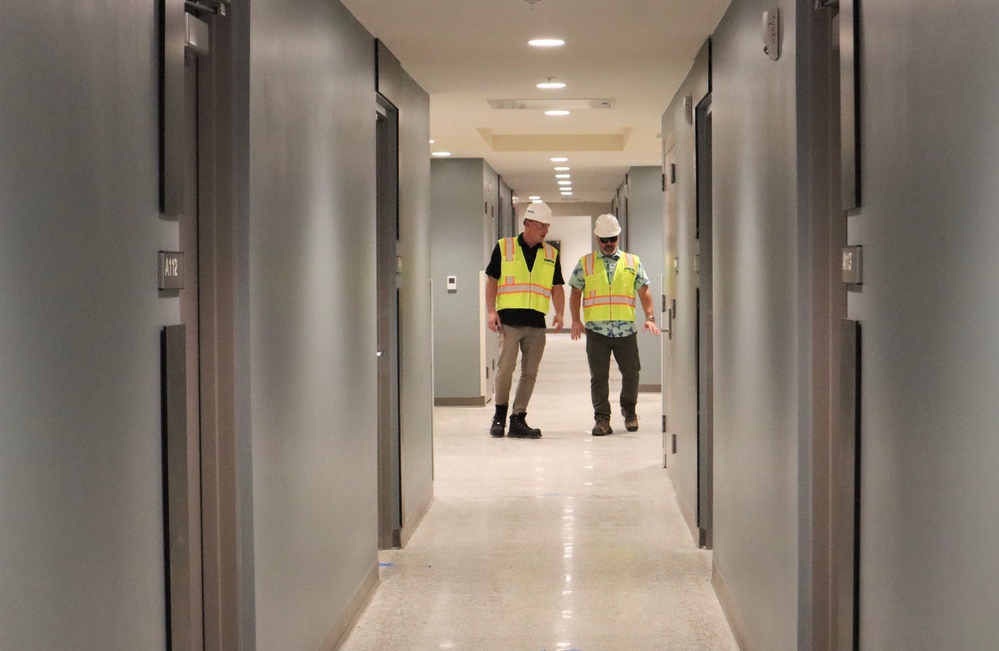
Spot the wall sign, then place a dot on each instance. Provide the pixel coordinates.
(171, 270)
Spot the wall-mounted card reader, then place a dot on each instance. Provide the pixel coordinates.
(452, 283)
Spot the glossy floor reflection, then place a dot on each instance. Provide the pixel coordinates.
(566, 543)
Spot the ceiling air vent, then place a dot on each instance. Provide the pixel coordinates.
(545, 104)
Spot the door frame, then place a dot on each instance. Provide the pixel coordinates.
(226, 620)
(827, 563)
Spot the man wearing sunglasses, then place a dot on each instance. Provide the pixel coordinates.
(605, 284)
(523, 278)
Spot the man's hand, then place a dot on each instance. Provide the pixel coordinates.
(577, 330)
(651, 327)
(493, 322)
(558, 322)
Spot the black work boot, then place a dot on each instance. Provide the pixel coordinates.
(499, 421)
(630, 420)
(519, 429)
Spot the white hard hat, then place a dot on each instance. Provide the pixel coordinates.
(607, 226)
(539, 212)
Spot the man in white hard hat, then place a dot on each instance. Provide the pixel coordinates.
(523, 279)
(605, 283)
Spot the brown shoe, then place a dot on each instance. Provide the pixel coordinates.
(602, 427)
(631, 422)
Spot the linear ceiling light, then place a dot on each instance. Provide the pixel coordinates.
(563, 176)
(564, 182)
(549, 85)
(562, 168)
(441, 154)
(546, 42)
(560, 159)
(557, 112)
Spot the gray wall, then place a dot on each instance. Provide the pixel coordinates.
(81, 533)
(458, 236)
(415, 319)
(929, 310)
(312, 310)
(645, 235)
(755, 325)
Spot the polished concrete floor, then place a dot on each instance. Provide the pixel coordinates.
(565, 543)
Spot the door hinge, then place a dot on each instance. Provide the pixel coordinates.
(664, 423)
(672, 172)
(674, 444)
(219, 7)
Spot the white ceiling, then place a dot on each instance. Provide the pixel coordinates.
(466, 52)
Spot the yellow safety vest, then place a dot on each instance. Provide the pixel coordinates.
(519, 288)
(609, 301)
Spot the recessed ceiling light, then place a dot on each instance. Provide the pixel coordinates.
(563, 176)
(559, 159)
(431, 142)
(535, 198)
(562, 168)
(549, 85)
(566, 194)
(557, 112)
(564, 182)
(441, 154)
(546, 42)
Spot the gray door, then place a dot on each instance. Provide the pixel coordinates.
(832, 493)
(202, 524)
(389, 461)
(492, 230)
(669, 304)
(184, 556)
(842, 364)
(705, 357)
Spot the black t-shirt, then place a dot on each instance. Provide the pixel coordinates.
(518, 317)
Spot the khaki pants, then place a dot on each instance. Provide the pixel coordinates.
(529, 341)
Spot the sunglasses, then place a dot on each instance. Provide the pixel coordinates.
(607, 240)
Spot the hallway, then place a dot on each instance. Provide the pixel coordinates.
(566, 543)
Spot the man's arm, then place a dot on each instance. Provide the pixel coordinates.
(558, 299)
(650, 310)
(575, 299)
(492, 319)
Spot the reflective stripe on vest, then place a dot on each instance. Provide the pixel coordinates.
(609, 301)
(518, 288)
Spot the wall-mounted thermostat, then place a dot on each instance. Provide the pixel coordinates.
(452, 283)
